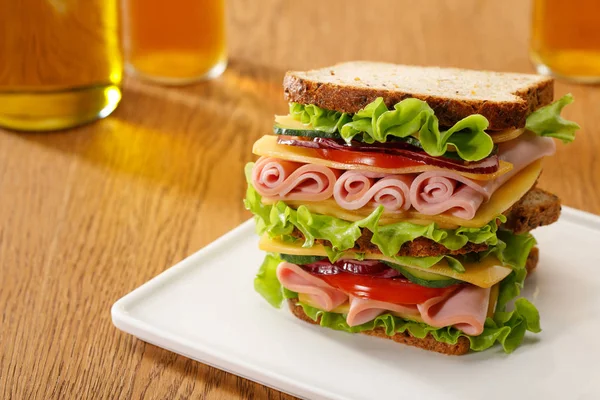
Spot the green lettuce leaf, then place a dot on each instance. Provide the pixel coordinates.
(288, 294)
(321, 120)
(375, 123)
(547, 121)
(467, 136)
(390, 238)
(512, 250)
(517, 248)
(266, 282)
(414, 117)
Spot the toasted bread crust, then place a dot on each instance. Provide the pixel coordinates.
(536, 208)
(532, 260)
(350, 99)
(427, 343)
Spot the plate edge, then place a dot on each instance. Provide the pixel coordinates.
(214, 358)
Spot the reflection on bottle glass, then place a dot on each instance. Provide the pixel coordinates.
(61, 62)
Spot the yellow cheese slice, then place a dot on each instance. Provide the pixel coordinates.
(506, 135)
(286, 121)
(504, 197)
(341, 309)
(493, 300)
(345, 308)
(485, 273)
(268, 146)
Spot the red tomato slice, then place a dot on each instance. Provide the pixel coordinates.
(380, 160)
(386, 155)
(396, 290)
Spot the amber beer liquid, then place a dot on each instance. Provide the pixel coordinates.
(60, 62)
(565, 38)
(176, 41)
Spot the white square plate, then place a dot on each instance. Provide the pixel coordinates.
(205, 308)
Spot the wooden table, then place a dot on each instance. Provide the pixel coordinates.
(88, 215)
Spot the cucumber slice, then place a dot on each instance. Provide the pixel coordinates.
(423, 278)
(300, 260)
(286, 125)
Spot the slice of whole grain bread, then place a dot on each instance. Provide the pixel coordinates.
(505, 99)
(537, 208)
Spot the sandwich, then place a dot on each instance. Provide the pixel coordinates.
(397, 201)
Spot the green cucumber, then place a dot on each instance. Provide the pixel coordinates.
(310, 133)
(301, 260)
(423, 278)
(286, 125)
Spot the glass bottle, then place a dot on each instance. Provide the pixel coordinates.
(61, 62)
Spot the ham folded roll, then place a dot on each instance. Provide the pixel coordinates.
(356, 189)
(287, 180)
(436, 192)
(294, 278)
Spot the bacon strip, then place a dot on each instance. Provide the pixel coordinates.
(355, 189)
(272, 177)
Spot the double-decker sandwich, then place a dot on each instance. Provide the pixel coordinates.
(397, 201)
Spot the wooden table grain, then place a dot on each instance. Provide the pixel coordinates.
(89, 214)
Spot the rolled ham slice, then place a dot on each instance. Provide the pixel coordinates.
(520, 153)
(356, 189)
(365, 310)
(465, 309)
(436, 192)
(294, 278)
(287, 180)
